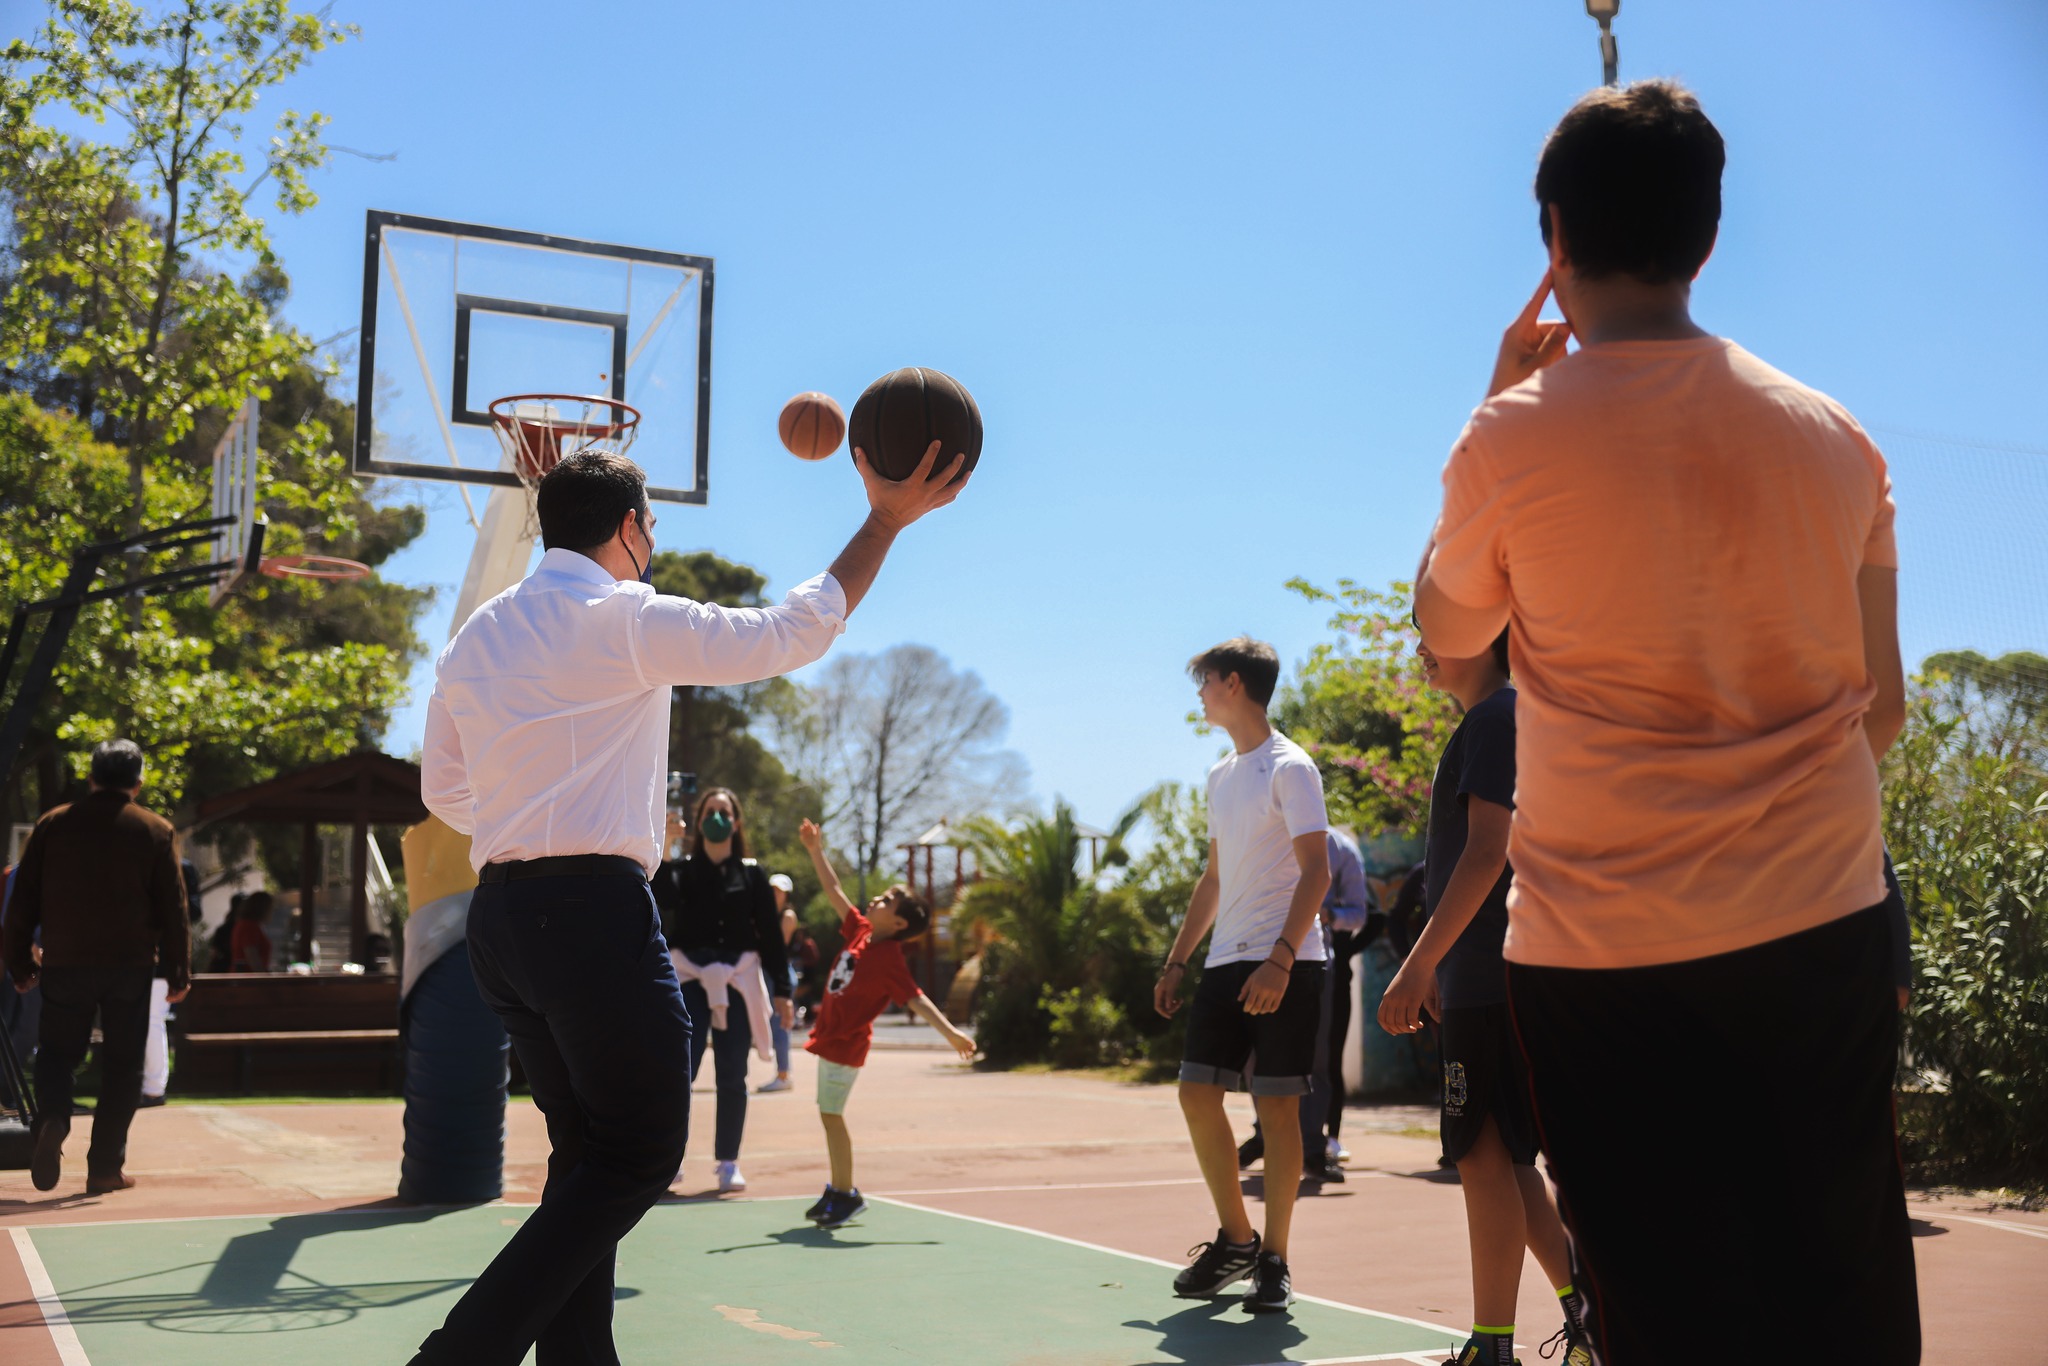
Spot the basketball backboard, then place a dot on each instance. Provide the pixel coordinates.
(458, 314)
(238, 545)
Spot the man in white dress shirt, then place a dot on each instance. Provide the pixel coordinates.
(546, 743)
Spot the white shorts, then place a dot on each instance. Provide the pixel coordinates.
(835, 1084)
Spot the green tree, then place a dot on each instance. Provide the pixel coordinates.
(1966, 819)
(281, 676)
(1361, 707)
(118, 301)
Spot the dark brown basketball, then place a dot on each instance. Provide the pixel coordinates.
(811, 425)
(906, 410)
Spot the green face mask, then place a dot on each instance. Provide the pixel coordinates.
(718, 827)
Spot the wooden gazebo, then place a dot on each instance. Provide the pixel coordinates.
(364, 789)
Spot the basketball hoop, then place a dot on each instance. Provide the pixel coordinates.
(537, 430)
(322, 567)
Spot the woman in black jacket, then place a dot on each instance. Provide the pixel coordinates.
(719, 917)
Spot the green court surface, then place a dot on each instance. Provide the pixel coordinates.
(736, 1283)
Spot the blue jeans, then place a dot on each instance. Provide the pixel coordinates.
(577, 969)
(729, 1047)
(781, 1035)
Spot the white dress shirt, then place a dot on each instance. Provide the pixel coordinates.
(547, 732)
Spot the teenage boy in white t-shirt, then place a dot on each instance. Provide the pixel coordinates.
(1259, 1001)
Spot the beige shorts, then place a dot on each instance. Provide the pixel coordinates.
(835, 1084)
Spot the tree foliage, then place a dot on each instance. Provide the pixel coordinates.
(1360, 706)
(1966, 817)
(119, 303)
(284, 674)
(139, 306)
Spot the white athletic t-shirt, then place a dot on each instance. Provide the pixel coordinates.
(1259, 803)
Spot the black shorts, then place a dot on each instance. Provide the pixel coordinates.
(1484, 1076)
(1280, 1047)
(1730, 1116)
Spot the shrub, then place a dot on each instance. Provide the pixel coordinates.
(1966, 815)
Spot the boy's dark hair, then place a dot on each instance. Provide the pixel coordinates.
(581, 501)
(1256, 664)
(1635, 174)
(911, 910)
(1500, 651)
(255, 906)
(117, 764)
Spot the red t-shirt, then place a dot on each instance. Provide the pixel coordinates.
(865, 980)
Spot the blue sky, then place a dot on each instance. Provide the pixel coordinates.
(1225, 280)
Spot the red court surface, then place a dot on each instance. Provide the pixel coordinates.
(1075, 1156)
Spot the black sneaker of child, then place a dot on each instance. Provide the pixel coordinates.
(1251, 1150)
(817, 1211)
(844, 1205)
(1578, 1347)
(1272, 1288)
(1217, 1266)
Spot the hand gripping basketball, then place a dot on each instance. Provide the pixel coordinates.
(899, 502)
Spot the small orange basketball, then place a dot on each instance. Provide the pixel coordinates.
(812, 426)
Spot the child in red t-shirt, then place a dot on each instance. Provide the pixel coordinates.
(869, 975)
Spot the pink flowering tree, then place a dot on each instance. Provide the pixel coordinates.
(1360, 706)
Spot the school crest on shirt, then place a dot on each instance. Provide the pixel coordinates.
(841, 976)
(1454, 1088)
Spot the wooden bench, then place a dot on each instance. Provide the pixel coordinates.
(287, 1033)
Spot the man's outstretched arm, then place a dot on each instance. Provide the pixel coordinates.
(892, 506)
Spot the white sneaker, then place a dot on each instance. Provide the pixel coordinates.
(1336, 1152)
(729, 1178)
(775, 1084)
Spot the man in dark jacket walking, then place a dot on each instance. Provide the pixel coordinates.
(100, 879)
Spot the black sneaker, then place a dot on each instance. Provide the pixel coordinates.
(1578, 1348)
(817, 1211)
(1251, 1150)
(1328, 1174)
(1272, 1288)
(844, 1205)
(46, 1160)
(1217, 1267)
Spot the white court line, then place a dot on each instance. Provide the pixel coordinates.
(1934, 1215)
(1073, 1186)
(69, 1351)
(1174, 1266)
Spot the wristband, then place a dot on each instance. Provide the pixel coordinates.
(1182, 965)
(1281, 943)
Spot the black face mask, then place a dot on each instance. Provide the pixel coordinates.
(646, 571)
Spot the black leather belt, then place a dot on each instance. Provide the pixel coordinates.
(564, 865)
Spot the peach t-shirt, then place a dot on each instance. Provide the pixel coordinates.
(1676, 528)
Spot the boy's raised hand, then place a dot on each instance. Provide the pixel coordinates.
(1529, 344)
(810, 835)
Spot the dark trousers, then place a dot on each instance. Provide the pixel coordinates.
(1340, 1027)
(71, 997)
(728, 1060)
(1724, 1128)
(577, 969)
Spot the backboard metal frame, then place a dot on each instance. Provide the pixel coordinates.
(465, 409)
(236, 467)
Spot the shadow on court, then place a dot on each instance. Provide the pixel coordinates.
(1218, 1333)
(251, 1287)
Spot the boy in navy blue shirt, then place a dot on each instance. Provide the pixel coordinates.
(1455, 972)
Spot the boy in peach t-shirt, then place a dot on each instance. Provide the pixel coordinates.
(1694, 553)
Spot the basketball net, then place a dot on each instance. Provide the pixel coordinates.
(537, 430)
